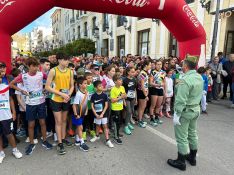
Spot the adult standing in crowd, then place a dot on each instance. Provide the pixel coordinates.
(188, 96)
(227, 81)
(216, 72)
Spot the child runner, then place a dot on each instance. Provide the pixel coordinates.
(130, 86)
(99, 104)
(80, 109)
(8, 114)
(35, 103)
(169, 91)
(60, 83)
(202, 72)
(143, 91)
(88, 121)
(117, 96)
(157, 82)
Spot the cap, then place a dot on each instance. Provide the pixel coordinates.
(192, 58)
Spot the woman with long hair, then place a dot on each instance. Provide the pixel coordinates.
(142, 91)
(157, 87)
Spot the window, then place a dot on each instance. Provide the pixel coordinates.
(85, 29)
(173, 46)
(94, 25)
(105, 21)
(120, 21)
(189, 1)
(143, 42)
(78, 32)
(121, 46)
(229, 44)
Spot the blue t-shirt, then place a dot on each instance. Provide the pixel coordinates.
(98, 101)
(205, 79)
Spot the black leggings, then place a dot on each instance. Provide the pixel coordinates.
(88, 121)
(116, 116)
(50, 121)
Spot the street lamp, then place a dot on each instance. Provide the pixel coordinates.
(109, 32)
(125, 24)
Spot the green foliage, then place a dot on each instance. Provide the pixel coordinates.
(78, 47)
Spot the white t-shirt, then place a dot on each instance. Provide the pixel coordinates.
(5, 111)
(81, 99)
(169, 84)
(34, 86)
(23, 97)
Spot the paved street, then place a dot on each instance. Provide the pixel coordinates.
(143, 153)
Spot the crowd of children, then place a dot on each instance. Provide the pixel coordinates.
(74, 96)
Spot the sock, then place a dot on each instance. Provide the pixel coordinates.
(14, 149)
(81, 141)
(77, 138)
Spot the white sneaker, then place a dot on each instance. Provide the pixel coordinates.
(132, 121)
(2, 156)
(94, 139)
(17, 154)
(27, 140)
(109, 144)
(55, 137)
(49, 134)
(35, 141)
(146, 116)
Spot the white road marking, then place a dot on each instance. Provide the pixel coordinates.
(163, 136)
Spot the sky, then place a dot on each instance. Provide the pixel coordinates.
(43, 21)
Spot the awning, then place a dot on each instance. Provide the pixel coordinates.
(223, 10)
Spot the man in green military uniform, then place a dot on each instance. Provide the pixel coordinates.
(188, 96)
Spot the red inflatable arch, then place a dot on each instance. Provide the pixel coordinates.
(175, 15)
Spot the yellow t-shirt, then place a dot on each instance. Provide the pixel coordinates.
(61, 82)
(115, 93)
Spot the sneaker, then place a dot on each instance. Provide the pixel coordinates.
(153, 123)
(92, 133)
(77, 143)
(141, 124)
(27, 140)
(47, 145)
(121, 135)
(60, 149)
(49, 134)
(84, 136)
(130, 127)
(17, 154)
(159, 121)
(67, 143)
(118, 141)
(94, 139)
(145, 122)
(35, 141)
(55, 137)
(29, 149)
(84, 147)
(2, 156)
(127, 130)
(146, 116)
(109, 144)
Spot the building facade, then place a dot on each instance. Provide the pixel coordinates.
(116, 35)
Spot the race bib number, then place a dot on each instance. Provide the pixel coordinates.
(131, 94)
(65, 91)
(4, 105)
(35, 95)
(98, 107)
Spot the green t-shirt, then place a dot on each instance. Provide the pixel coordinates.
(115, 93)
(91, 90)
